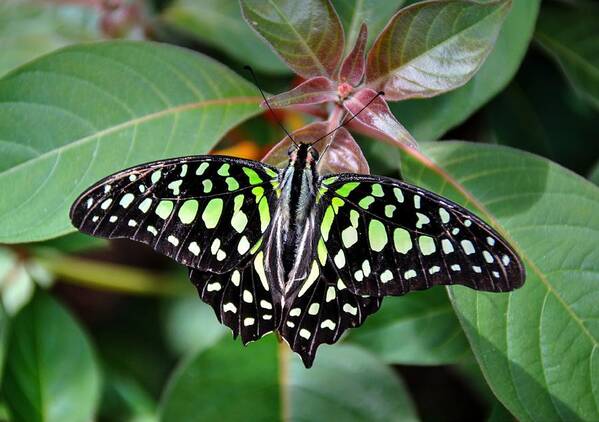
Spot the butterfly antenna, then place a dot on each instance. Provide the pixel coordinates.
(353, 116)
(249, 69)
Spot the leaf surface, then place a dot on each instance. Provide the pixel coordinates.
(374, 13)
(29, 29)
(537, 345)
(570, 34)
(230, 382)
(307, 35)
(79, 114)
(51, 373)
(433, 47)
(417, 329)
(430, 118)
(208, 20)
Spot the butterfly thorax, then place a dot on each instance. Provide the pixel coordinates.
(290, 243)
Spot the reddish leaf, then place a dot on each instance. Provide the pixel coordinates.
(352, 69)
(433, 47)
(343, 156)
(313, 91)
(377, 118)
(306, 34)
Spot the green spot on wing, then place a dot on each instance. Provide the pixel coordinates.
(327, 221)
(377, 235)
(427, 245)
(402, 240)
(202, 168)
(322, 252)
(347, 188)
(164, 209)
(223, 170)
(232, 183)
(366, 202)
(377, 190)
(252, 176)
(337, 203)
(187, 212)
(212, 213)
(264, 211)
(271, 172)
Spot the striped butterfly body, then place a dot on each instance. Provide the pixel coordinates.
(291, 251)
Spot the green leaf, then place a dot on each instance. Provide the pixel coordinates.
(459, 36)
(417, 329)
(570, 34)
(208, 20)
(307, 35)
(29, 29)
(50, 373)
(4, 330)
(429, 119)
(232, 382)
(374, 13)
(125, 399)
(553, 123)
(76, 115)
(594, 174)
(190, 325)
(535, 345)
(74, 242)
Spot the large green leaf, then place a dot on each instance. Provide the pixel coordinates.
(50, 374)
(29, 29)
(416, 329)
(208, 20)
(78, 114)
(537, 345)
(428, 119)
(307, 35)
(570, 34)
(433, 47)
(230, 382)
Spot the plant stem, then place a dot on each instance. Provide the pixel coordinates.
(283, 352)
(113, 277)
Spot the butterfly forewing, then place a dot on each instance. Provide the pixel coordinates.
(386, 237)
(205, 212)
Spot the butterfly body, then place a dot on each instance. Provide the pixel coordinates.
(293, 251)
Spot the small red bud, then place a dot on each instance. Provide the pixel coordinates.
(344, 89)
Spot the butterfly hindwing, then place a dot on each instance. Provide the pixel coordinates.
(205, 212)
(386, 237)
(321, 310)
(241, 298)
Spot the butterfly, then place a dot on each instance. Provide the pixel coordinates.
(293, 251)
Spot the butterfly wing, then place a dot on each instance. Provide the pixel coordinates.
(205, 212)
(241, 298)
(387, 237)
(321, 310)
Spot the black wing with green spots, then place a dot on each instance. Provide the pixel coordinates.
(206, 212)
(386, 237)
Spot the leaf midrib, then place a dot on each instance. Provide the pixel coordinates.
(132, 123)
(383, 78)
(301, 40)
